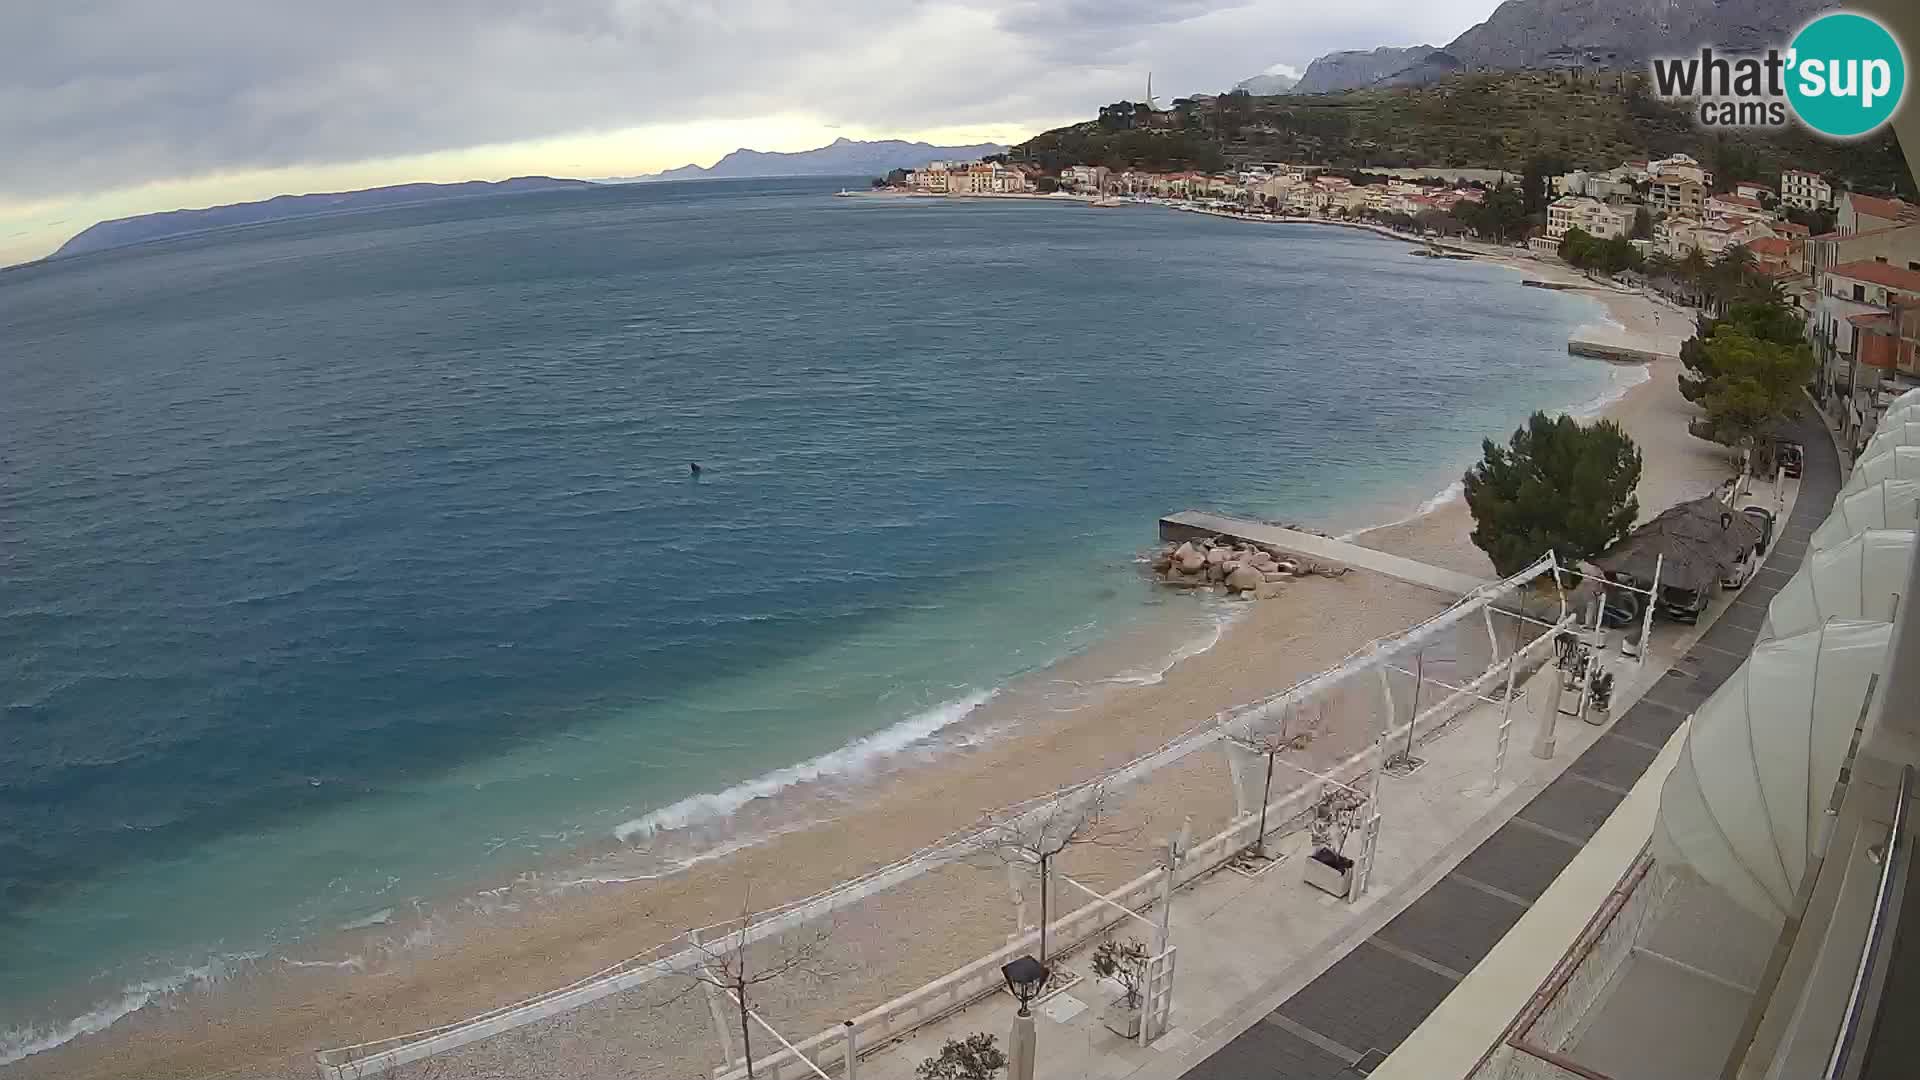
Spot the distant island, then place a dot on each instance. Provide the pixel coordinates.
(842, 157)
(139, 229)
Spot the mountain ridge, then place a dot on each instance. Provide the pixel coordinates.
(842, 157)
(1532, 34)
(167, 224)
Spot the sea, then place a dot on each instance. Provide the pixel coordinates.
(353, 566)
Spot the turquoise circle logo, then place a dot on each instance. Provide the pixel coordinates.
(1846, 75)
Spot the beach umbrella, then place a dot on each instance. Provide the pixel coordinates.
(1893, 463)
(1746, 802)
(1859, 579)
(1694, 544)
(1889, 504)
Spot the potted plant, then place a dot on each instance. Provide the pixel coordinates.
(1124, 963)
(975, 1057)
(1327, 869)
(1601, 695)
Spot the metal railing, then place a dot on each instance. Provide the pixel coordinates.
(1870, 977)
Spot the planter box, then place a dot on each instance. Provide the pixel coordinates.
(1121, 1018)
(1328, 871)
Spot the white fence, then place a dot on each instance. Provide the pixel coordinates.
(952, 991)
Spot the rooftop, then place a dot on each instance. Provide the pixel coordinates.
(1878, 273)
(1889, 209)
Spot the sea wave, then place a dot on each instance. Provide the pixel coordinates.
(853, 758)
(21, 1042)
(1625, 378)
(1186, 650)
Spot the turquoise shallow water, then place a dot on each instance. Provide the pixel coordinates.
(352, 561)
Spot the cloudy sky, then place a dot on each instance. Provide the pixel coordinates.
(115, 107)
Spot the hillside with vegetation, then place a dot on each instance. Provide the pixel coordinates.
(1516, 121)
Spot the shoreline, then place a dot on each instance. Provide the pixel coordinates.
(266, 1029)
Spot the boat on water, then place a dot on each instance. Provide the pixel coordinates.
(1106, 202)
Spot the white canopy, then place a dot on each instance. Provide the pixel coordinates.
(1895, 463)
(1889, 504)
(1858, 579)
(1745, 804)
(1890, 433)
(1900, 414)
(1904, 401)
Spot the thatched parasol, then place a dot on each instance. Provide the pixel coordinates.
(1695, 542)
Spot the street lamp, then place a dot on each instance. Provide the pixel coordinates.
(1026, 977)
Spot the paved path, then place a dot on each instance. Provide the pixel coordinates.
(1321, 549)
(1346, 1021)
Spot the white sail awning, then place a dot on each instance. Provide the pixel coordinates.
(1899, 414)
(1895, 463)
(1745, 804)
(1858, 579)
(1889, 504)
(1892, 432)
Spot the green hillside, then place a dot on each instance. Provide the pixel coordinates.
(1489, 121)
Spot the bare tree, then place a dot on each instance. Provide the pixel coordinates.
(1269, 740)
(1035, 833)
(731, 965)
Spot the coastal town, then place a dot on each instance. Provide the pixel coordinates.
(1847, 262)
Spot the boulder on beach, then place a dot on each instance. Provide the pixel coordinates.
(1245, 578)
(1216, 556)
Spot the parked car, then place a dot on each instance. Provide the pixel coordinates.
(1792, 458)
(1762, 517)
(1742, 569)
(1684, 605)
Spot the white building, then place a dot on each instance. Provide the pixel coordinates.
(1086, 177)
(1588, 215)
(1805, 190)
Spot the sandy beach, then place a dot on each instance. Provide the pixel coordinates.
(268, 1025)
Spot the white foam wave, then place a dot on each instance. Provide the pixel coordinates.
(378, 918)
(1432, 502)
(351, 963)
(1623, 380)
(18, 1043)
(850, 759)
(1187, 650)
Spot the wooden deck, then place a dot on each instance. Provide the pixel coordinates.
(1191, 524)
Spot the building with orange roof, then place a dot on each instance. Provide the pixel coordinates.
(1865, 213)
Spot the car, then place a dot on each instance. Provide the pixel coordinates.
(1741, 570)
(1684, 605)
(1793, 458)
(1762, 517)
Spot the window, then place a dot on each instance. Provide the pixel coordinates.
(1860, 293)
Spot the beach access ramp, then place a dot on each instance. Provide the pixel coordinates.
(1193, 524)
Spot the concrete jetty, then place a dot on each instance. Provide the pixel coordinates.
(1614, 352)
(1193, 524)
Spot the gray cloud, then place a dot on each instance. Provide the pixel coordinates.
(103, 94)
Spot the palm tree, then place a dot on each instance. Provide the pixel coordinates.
(1694, 270)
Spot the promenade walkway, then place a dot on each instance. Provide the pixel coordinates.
(1321, 549)
(1352, 1016)
(1279, 981)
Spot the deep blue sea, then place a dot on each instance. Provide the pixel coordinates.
(350, 561)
